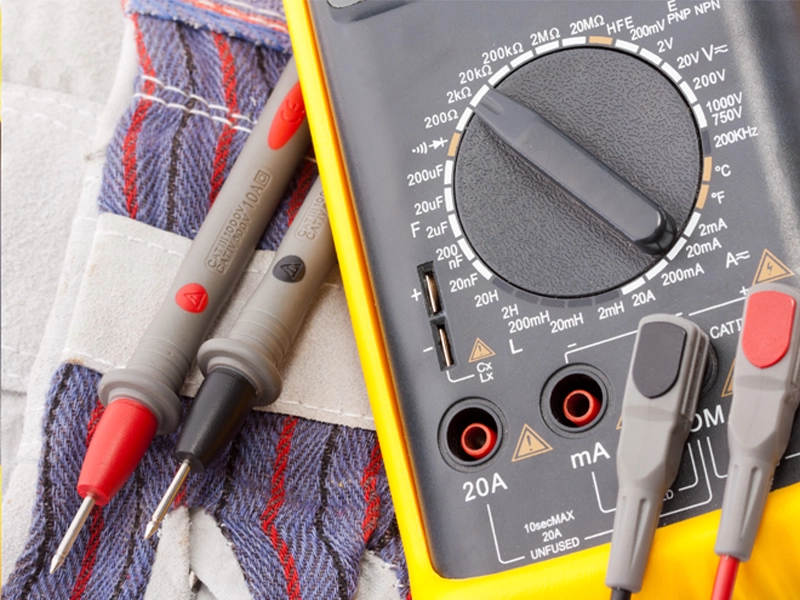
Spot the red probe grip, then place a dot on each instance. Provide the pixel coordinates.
(288, 119)
(122, 437)
(768, 327)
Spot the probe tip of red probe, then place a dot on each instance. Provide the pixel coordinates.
(72, 532)
(122, 437)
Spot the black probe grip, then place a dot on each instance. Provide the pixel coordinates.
(221, 406)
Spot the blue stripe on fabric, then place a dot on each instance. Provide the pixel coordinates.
(258, 21)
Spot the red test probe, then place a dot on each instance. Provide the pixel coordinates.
(766, 393)
(141, 399)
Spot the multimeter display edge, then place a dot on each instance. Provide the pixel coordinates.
(676, 568)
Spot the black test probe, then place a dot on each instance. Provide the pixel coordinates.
(241, 369)
(664, 381)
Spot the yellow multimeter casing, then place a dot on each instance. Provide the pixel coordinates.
(682, 562)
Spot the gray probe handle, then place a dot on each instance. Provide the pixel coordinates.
(660, 401)
(215, 260)
(759, 426)
(261, 336)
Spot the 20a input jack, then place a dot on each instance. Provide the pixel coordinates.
(575, 399)
(471, 432)
(478, 440)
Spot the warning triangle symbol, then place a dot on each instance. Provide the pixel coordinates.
(291, 270)
(771, 269)
(728, 389)
(480, 351)
(196, 300)
(530, 444)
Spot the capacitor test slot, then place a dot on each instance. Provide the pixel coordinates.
(574, 399)
(471, 433)
(442, 344)
(430, 288)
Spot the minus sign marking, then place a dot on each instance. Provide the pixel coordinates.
(428, 349)
(596, 535)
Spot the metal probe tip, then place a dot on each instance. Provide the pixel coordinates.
(166, 500)
(72, 532)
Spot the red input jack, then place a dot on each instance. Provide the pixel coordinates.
(478, 440)
(575, 399)
(471, 433)
(581, 407)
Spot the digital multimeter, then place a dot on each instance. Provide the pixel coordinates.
(495, 287)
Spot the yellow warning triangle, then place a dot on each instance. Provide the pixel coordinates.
(728, 389)
(530, 444)
(771, 269)
(480, 351)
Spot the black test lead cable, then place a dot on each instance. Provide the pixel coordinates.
(620, 594)
(766, 393)
(241, 369)
(661, 394)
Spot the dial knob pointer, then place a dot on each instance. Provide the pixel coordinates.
(548, 149)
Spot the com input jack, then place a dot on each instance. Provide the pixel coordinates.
(471, 433)
(575, 399)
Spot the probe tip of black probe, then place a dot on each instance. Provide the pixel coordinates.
(166, 500)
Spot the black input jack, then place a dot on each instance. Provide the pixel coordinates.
(471, 432)
(711, 372)
(575, 399)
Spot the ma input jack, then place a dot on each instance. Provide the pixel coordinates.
(581, 407)
(575, 399)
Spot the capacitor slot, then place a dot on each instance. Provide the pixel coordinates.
(430, 288)
(442, 344)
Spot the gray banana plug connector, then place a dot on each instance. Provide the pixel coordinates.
(661, 394)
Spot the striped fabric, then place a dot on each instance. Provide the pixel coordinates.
(259, 21)
(299, 500)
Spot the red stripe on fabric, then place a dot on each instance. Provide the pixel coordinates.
(137, 121)
(94, 419)
(228, 67)
(90, 555)
(180, 497)
(304, 181)
(369, 483)
(228, 11)
(274, 505)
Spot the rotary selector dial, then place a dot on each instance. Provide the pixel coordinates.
(577, 172)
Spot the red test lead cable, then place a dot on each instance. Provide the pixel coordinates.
(766, 393)
(141, 399)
